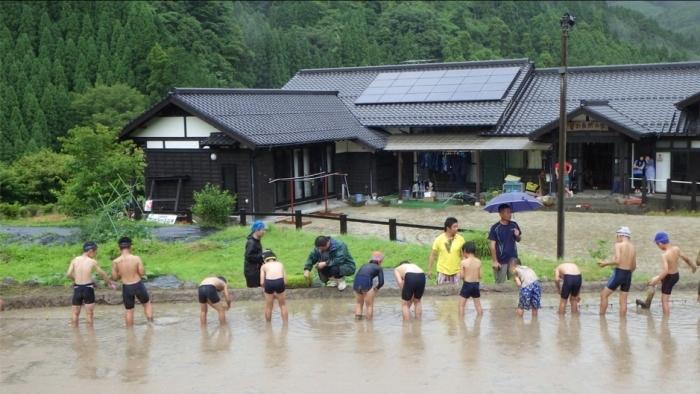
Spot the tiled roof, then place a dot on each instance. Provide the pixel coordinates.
(641, 96)
(271, 117)
(350, 82)
(218, 139)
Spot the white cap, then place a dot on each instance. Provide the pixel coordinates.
(624, 231)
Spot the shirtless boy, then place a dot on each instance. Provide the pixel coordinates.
(129, 269)
(411, 281)
(208, 294)
(668, 277)
(470, 273)
(80, 271)
(273, 279)
(625, 262)
(569, 290)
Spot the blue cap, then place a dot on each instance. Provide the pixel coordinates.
(661, 238)
(257, 226)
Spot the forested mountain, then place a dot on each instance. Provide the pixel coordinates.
(682, 17)
(63, 61)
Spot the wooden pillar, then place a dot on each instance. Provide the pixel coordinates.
(477, 159)
(400, 171)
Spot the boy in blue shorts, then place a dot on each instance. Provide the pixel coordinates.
(470, 272)
(625, 262)
(530, 289)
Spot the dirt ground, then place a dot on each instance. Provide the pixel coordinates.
(583, 230)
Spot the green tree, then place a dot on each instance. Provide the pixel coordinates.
(112, 106)
(99, 160)
(38, 177)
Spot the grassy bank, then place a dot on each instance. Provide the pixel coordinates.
(221, 254)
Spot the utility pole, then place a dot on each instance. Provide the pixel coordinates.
(567, 22)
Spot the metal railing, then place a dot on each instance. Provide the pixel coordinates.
(341, 218)
(669, 193)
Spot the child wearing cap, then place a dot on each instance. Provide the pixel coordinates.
(364, 287)
(669, 276)
(625, 262)
(80, 272)
(273, 279)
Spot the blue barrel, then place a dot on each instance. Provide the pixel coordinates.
(359, 197)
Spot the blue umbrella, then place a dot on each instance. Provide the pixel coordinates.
(518, 201)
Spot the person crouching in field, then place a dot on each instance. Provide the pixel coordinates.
(208, 294)
(470, 272)
(569, 290)
(364, 287)
(411, 281)
(529, 284)
(273, 279)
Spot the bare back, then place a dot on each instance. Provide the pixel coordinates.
(216, 282)
(128, 268)
(670, 259)
(81, 270)
(471, 269)
(568, 269)
(625, 255)
(404, 269)
(273, 270)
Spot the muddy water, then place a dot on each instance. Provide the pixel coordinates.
(324, 350)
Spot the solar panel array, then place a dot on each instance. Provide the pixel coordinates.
(477, 84)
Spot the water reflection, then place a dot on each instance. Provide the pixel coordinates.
(276, 348)
(137, 351)
(620, 350)
(569, 336)
(216, 339)
(85, 347)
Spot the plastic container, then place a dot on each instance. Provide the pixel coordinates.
(510, 187)
(359, 197)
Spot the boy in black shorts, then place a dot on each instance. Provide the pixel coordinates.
(470, 272)
(80, 271)
(411, 280)
(669, 276)
(364, 287)
(569, 290)
(208, 294)
(273, 279)
(129, 269)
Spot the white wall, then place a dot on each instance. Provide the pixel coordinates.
(198, 128)
(166, 126)
(181, 144)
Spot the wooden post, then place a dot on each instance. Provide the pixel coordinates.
(694, 196)
(343, 223)
(644, 191)
(392, 229)
(400, 171)
(242, 220)
(668, 194)
(325, 194)
(477, 158)
(297, 219)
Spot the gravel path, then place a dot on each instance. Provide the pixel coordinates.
(583, 230)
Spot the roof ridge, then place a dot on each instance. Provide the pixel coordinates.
(626, 117)
(251, 91)
(626, 67)
(416, 66)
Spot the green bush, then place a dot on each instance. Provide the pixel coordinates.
(108, 229)
(37, 177)
(9, 211)
(213, 206)
(47, 209)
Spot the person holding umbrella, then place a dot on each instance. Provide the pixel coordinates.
(503, 238)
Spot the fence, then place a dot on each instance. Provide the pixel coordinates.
(342, 219)
(669, 193)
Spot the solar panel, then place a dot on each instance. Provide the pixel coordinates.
(476, 84)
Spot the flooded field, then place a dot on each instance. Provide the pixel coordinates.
(324, 350)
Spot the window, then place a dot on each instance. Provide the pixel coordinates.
(516, 159)
(663, 144)
(680, 144)
(695, 144)
(154, 144)
(534, 159)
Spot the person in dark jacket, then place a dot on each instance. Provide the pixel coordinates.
(253, 254)
(333, 261)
